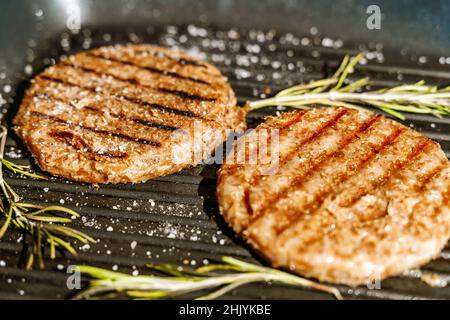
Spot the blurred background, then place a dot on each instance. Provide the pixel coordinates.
(408, 28)
(34, 33)
(412, 24)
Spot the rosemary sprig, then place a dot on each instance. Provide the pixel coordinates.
(42, 227)
(180, 282)
(334, 91)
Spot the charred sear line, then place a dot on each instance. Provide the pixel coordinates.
(246, 199)
(66, 83)
(148, 68)
(397, 166)
(135, 82)
(331, 191)
(85, 69)
(323, 160)
(155, 125)
(186, 95)
(367, 160)
(161, 107)
(316, 135)
(433, 174)
(294, 120)
(233, 167)
(102, 132)
(319, 197)
(79, 144)
(304, 142)
(136, 101)
(117, 116)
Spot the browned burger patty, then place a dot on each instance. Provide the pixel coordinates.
(356, 197)
(109, 115)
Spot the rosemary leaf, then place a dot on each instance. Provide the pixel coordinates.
(182, 282)
(42, 226)
(416, 98)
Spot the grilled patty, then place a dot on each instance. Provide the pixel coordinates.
(355, 197)
(119, 114)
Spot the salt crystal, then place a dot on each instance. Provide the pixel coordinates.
(314, 31)
(28, 69)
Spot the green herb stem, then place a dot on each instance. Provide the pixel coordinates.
(45, 226)
(415, 98)
(180, 282)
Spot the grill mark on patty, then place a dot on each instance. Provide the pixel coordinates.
(366, 161)
(342, 178)
(154, 124)
(414, 187)
(161, 107)
(102, 132)
(293, 120)
(282, 128)
(306, 141)
(424, 182)
(117, 116)
(135, 82)
(360, 224)
(386, 142)
(374, 152)
(148, 68)
(186, 95)
(323, 159)
(77, 143)
(137, 101)
(417, 150)
(232, 168)
(256, 180)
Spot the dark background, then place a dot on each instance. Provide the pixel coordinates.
(415, 25)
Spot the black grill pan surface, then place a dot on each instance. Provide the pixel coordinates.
(175, 219)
